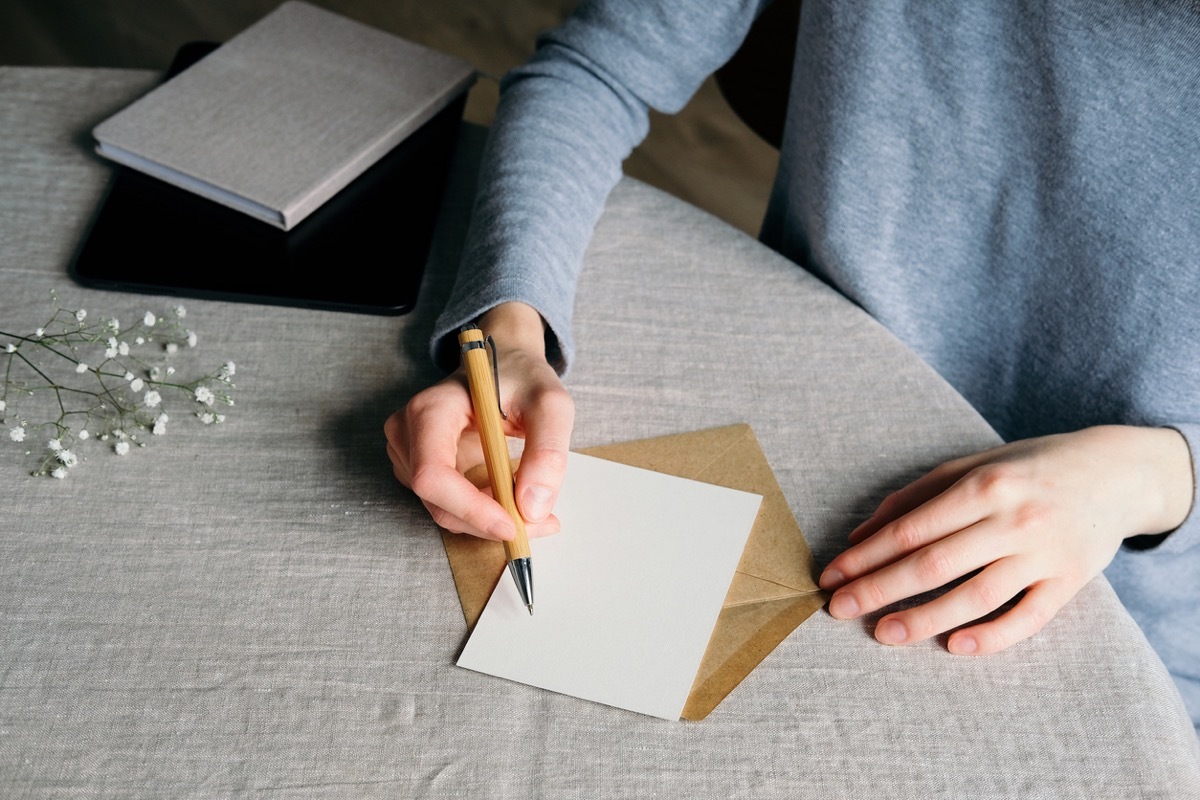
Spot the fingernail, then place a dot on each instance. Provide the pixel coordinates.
(891, 631)
(832, 578)
(536, 502)
(843, 606)
(963, 645)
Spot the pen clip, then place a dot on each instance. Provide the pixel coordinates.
(490, 342)
(473, 343)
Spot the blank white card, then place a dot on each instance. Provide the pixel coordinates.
(626, 595)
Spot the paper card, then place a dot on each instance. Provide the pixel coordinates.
(626, 595)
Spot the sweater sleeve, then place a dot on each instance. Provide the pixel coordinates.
(567, 119)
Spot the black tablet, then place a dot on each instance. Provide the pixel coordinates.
(364, 250)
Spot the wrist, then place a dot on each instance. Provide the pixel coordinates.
(515, 326)
(1166, 464)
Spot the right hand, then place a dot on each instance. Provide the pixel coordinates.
(432, 441)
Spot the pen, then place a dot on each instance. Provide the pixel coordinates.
(485, 399)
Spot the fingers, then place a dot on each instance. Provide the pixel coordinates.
(922, 571)
(928, 521)
(1039, 605)
(547, 527)
(912, 496)
(423, 444)
(431, 443)
(974, 599)
(548, 426)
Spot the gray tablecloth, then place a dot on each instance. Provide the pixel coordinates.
(257, 608)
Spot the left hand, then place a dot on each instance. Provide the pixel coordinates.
(1040, 516)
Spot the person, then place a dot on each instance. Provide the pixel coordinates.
(1012, 188)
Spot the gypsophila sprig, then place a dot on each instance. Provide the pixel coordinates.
(74, 381)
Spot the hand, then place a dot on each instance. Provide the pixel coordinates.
(1041, 516)
(432, 442)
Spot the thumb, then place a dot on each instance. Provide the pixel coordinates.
(544, 461)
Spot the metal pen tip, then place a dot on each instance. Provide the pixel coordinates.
(530, 607)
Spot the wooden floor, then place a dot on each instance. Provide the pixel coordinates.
(704, 154)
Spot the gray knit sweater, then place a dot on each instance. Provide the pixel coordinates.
(1012, 188)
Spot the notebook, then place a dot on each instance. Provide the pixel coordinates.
(284, 115)
(363, 250)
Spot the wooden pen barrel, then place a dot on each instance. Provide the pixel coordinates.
(485, 399)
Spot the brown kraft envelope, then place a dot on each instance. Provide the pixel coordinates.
(772, 592)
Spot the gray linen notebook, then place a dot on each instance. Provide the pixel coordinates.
(286, 113)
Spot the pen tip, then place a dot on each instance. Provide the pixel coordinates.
(530, 607)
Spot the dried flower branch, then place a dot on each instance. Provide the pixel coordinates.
(100, 382)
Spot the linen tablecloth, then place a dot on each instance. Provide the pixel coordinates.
(258, 609)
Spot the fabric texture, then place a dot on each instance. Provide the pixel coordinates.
(259, 609)
(1010, 188)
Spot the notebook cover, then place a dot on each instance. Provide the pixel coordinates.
(285, 114)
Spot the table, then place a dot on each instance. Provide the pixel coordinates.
(258, 609)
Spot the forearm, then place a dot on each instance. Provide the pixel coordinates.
(566, 121)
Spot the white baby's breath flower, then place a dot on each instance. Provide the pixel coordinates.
(121, 425)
